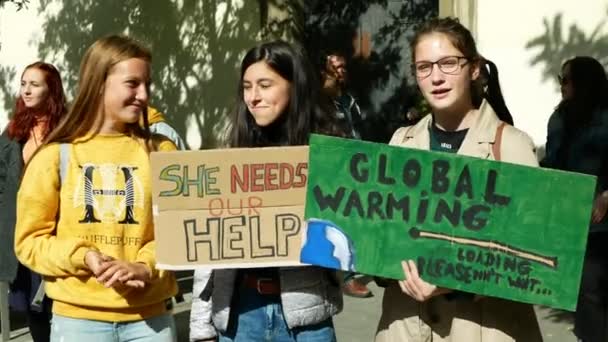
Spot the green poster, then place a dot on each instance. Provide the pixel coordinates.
(476, 225)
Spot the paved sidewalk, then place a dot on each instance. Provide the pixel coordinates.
(357, 323)
(360, 317)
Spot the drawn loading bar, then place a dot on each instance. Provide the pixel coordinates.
(416, 233)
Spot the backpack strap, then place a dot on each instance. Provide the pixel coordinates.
(64, 158)
(498, 141)
(208, 289)
(37, 303)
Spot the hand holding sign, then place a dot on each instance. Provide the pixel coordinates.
(600, 206)
(481, 226)
(414, 286)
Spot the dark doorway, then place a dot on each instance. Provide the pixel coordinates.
(374, 35)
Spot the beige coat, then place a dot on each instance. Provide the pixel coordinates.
(460, 320)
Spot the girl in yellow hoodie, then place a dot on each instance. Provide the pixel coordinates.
(84, 216)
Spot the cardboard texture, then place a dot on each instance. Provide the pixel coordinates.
(481, 226)
(229, 208)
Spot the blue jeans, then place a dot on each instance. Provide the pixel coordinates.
(256, 317)
(159, 328)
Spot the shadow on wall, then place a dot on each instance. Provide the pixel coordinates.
(19, 4)
(196, 45)
(556, 46)
(7, 74)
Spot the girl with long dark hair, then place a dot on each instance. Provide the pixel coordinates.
(277, 105)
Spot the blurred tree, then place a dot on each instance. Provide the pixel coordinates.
(196, 47)
(19, 3)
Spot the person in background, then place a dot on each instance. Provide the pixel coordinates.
(334, 75)
(577, 141)
(334, 78)
(39, 107)
(158, 125)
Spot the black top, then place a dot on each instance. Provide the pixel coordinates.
(446, 141)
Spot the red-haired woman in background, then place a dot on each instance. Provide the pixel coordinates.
(39, 107)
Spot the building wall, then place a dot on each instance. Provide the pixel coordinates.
(197, 48)
(529, 40)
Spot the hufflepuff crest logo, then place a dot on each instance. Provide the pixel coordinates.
(108, 193)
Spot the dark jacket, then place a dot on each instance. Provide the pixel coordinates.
(586, 152)
(11, 165)
(349, 115)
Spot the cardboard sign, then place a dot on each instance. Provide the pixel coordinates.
(229, 208)
(481, 226)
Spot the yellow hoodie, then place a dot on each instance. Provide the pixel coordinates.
(157, 124)
(103, 203)
(154, 116)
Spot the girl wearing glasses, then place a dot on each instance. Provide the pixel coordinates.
(577, 140)
(469, 117)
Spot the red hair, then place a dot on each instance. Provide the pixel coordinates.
(52, 109)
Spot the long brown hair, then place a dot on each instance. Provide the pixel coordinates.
(487, 85)
(86, 114)
(51, 110)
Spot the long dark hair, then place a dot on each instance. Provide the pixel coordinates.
(487, 86)
(51, 110)
(590, 92)
(303, 114)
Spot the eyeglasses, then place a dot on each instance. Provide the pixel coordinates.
(448, 65)
(563, 80)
